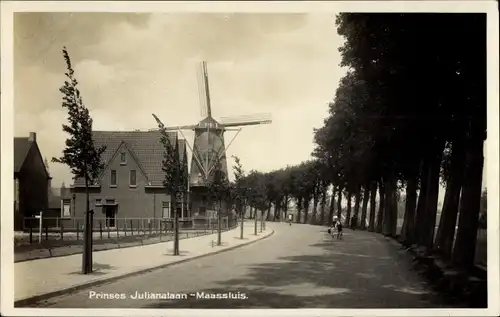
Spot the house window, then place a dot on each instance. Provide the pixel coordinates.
(165, 213)
(65, 208)
(113, 178)
(123, 158)
(133, 178)
(98, 202)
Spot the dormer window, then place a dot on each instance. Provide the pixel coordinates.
(123, 158)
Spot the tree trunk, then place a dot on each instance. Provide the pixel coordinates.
(364, 210)
(448, 221)
(357, 205)
(299, 210)
(285, 208)
(348, 214)
(407, 232)
(255, 221)
(332, 207)
(307, 201)
(176, 224)
(323, 205)
(262, 219)
(422, 198)
(429, 223)
(470, 202)
(276, 214)
(87, 229)
(373, 194)
(315, 209)
(339, 204)
(381, 207)
(242, 221)
(219, 225)
(387, 213)
(268, 214)
(394, 208)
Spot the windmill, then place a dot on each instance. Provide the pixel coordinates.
(208, 146)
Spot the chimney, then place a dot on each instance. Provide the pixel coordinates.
(32, 137)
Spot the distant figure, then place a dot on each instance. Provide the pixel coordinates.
(332, 229)
(339, 230)
(290, 217)
(353, 222)
(335, 220)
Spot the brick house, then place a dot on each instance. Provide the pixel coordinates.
(31, 180)
(130, 187)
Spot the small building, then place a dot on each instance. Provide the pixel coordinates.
(31, 180)
(130, 188)
(57, 196)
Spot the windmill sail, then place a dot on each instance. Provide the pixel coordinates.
(203, 90)
(252, 119)
(202, 93)
(207, 89)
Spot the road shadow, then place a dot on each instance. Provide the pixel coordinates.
(361, 271)
(170, 252)
(97, 269)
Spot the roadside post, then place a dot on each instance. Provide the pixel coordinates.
(40, 219)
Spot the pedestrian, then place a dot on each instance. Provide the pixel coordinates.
(339, 230)
(335, 220)
(333, 228)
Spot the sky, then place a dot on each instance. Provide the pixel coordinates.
(131, 65)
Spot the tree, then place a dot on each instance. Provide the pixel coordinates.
(80, 154)
(219, 191)
(373, 194)
(239, 192)
(385, 134)
(173, 182)
(255, 193)
(364, 210)
(408, 128)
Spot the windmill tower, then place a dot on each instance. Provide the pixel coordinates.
(208, 146)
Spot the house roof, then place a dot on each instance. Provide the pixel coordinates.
(21, 148)
(145, 145)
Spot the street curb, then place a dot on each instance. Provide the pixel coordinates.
(35, 299)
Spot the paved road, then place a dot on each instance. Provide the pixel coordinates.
(300, 266)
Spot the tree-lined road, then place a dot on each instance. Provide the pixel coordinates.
(300, 266)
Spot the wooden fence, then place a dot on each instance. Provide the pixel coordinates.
(72, 229)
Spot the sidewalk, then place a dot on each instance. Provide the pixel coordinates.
(38, 279)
